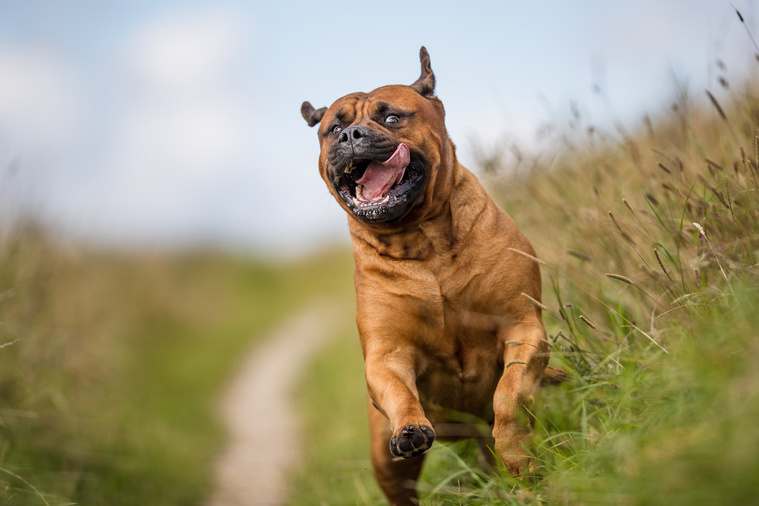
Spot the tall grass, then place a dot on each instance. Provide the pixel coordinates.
(108, 391)
(650, 239)
(651, 245)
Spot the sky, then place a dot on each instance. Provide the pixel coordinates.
(169, 124)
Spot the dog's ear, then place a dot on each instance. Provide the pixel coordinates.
(425, 85)
(312, 116)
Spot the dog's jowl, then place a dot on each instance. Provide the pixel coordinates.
(450, 343)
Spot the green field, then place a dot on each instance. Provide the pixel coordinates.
(108, 397)
(112, 363)
(651, 244)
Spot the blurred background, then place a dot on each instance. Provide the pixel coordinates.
(167, 123)
(161, 214)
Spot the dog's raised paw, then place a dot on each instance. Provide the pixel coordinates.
(412, 441)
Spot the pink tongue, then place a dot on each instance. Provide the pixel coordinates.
(381, 176)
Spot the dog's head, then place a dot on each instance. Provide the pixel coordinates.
(382, 152)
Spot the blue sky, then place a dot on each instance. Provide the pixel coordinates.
(164, 123)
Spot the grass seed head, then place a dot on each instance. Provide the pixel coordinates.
(528, 256)
(588, 322)
(619, 277)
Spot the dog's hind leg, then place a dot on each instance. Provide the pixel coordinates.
(485, 456)
(396, 475)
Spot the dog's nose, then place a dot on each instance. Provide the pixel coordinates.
(352, 133)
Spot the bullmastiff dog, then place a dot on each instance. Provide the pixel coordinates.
(448, 337)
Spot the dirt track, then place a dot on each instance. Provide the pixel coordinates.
(260, 416)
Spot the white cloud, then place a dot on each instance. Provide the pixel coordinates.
(186, 139)
(184, 129)
(187, 116)
(40, 115)
(39, 101)
(187, 51)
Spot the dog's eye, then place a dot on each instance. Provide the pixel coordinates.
(392, 119)
(336, 129)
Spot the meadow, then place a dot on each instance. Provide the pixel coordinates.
(648, 239)
(112, 364)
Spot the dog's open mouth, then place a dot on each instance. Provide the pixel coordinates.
(382, 190)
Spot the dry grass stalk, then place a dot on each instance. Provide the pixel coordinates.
(729, 199)
(535, 302)
(754, 168)
(39, 494)
(714, 164)
(619, 277)
(672, 190)
(719, 196)
(573, 345)
(624, 235)
(714, 253)
(716, 105)
(746, 27)
(661, 264)
(588, 322)
(528, 256)
(577, 254)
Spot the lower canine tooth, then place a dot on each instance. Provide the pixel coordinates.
(385, 200)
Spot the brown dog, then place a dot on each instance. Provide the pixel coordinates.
(447, 336)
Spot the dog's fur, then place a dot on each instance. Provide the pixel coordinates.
(447, 335)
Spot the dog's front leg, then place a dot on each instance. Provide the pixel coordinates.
(396, 476)
(391, 380)
(525, 357)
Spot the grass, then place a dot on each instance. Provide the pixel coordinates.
(650, 239)
(108, 392)
(336, 467)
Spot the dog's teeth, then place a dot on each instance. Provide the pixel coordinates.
(385, 200)
(355, 201)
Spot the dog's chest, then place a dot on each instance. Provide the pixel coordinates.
(461, 378)
(449, 312)
(462, 355)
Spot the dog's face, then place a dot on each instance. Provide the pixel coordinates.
(381, 152)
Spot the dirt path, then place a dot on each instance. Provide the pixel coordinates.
(260, 416)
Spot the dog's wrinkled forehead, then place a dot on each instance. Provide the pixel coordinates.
(344, 110)
(363, 108)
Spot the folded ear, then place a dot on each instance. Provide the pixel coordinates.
(425, 85)
(312, 116)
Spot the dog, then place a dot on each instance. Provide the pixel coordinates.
(446, 285)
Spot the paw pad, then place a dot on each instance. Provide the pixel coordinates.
(412, 441)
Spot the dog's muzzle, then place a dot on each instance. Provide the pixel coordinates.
(378, 177)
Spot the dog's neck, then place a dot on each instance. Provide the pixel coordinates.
(439, 233)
